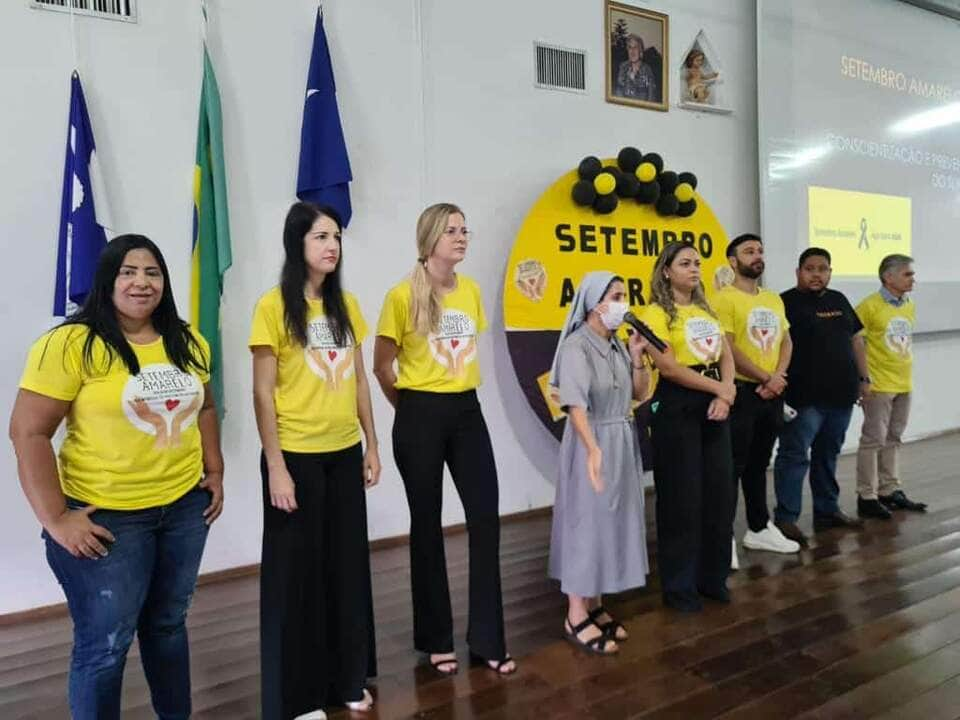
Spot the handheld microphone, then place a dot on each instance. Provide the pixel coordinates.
(644, 330)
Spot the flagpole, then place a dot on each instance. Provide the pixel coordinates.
(73, 37)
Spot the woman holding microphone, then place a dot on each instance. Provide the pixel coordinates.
(598, 542)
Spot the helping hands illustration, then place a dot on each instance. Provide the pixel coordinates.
(456, 356)
(166, 436)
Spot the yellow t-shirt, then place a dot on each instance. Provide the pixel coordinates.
(889, 334)
(316, 392)
(445, 361)
(757, 323)
(695, 337)
(132, 440)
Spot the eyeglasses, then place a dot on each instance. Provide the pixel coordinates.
(453, 232)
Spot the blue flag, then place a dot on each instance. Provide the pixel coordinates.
(324, 174)
(82, 235)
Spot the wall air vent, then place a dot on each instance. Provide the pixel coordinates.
(125, 10)
(559, 68)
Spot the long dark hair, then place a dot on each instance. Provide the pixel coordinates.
(293, 277)
(99, 315)
(660, 291)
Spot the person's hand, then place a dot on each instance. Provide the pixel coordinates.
(866, 389)
(283, 495)
(718, 410)
(765, 393)
(776, 383)
(637, 344)
(594, 461)
(79, 535)
(371, 467)
(213, 483)
(727, 392)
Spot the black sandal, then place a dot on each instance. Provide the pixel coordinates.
(497, 667)
(611, 627)
(597, 645)
(435, 664)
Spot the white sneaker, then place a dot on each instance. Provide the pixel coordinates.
(734, 560)
(313, 715)
(770, 539)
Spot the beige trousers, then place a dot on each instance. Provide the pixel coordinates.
(884, 419)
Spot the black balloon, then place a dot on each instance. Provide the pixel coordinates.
(589, 167)
(605, 204)
(615, 171)
(628, 186)
(667, 204)
(655, 159)
(648, 192)
(584, 193)
(629, 159)
(668, 181)
(686, 209)
(689, 178)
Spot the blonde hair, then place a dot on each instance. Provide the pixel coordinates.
(426, 305)
(660, 291)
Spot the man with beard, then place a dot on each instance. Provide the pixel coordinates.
(756, 326)
(826, 371)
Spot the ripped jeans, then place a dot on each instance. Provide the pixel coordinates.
(143, 585)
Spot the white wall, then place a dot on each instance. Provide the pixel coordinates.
(438, 103)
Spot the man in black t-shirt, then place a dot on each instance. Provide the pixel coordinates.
(825, 373)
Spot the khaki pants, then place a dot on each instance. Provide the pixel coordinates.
(884, 419)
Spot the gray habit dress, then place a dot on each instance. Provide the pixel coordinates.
(598, 541)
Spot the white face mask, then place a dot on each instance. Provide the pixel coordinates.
(613, 317)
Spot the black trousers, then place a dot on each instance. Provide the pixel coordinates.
(754, 423)
(693, 476)
(317, 642)
(431, 429)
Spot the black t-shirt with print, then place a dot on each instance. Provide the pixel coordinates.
(822, 368)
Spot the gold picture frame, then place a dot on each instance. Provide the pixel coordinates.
(636, 44)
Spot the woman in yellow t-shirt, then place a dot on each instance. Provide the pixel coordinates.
(429, 324)
(311, 399)
(126, 511)
(693, 461)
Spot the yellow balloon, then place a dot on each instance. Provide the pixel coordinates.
(604, 183)
(646, 172)
(684, 192)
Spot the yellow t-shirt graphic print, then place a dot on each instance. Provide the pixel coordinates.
(332, 363)
(757, 323)
(888, 330)
(445, 361)
(162, 401)
(454, 346)
(132, 441)
(695, 336)
(316, 393)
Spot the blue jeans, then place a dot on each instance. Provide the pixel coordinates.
(811, 441)
(143, 585)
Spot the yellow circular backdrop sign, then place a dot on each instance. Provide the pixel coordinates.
(558, 243)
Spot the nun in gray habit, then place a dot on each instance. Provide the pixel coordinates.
(598, 540)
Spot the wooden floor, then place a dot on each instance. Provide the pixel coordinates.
(859, 625)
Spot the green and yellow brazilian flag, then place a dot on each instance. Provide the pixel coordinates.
(211, 228)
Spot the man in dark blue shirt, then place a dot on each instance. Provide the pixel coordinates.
(825, 373)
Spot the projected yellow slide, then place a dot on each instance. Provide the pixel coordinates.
(857, 228)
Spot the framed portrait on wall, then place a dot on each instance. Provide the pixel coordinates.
(637, 56)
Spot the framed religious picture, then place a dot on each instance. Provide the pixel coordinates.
(636, 47)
